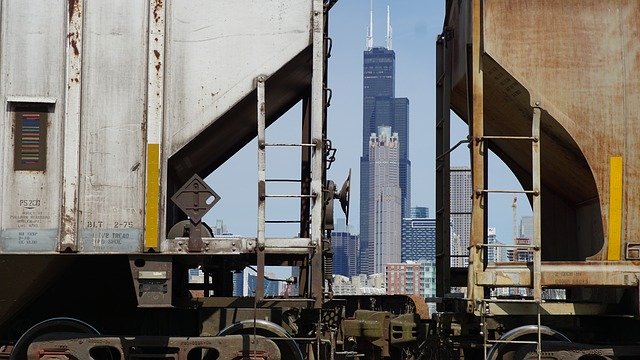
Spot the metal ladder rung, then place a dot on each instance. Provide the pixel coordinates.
(502, 191)
(534, 247)
(289, 145)
(283, 180)
(290, 196)
(507, 137)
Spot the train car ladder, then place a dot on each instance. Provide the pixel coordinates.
(535, 247)
(262, 189)
(534, 192)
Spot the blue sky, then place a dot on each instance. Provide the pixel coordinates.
(416, 24)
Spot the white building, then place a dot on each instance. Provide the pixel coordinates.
(385, 207)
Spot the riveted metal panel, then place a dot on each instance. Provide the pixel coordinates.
(31, 46)
(113, 117)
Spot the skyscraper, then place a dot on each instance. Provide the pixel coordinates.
(385, 203)
(419, 212)
(526, 227)
(461, 191)
(345, 249)
(381, 108)
(418, 239)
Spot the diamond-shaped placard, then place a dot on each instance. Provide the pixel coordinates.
(192, 198)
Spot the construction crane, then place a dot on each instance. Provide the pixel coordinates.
(514, 207)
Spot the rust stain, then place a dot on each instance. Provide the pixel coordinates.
(156, 10)
(158, 66)
(156, 53)
(74, 45)
(73, 42)
(73, 6)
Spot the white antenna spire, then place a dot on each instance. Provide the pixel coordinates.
(370, 30)
(389, 30)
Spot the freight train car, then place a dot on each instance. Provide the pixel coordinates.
(552, 88)
(115, 111)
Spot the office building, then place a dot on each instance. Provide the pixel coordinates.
(384, 208)
(345, 247)
(381, 108)
(419, 212)
(418, 239)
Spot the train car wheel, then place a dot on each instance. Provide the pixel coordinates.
(506, 351)
(289, 349)
(61, 324)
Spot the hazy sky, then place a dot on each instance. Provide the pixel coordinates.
(416, 24)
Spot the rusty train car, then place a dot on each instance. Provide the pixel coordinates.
(550, 87)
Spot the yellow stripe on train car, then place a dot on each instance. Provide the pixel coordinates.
(615, 208)
(152, 196)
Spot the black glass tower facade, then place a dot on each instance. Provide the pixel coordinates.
(382, 108)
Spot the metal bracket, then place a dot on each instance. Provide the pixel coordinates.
(195, 199)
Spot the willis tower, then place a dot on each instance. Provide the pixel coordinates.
(381, 108)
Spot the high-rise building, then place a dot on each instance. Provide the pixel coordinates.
(526, 227)
(381, 108)
(345, 247)
(461, 192)
(418, 239)
(495, 253)
(419, 212)
(384, 207)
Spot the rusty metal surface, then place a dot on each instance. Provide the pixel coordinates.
(239, 245)
(547, 308)
(563, 274)
(586, 70)
(581, 61)
(64, 345)
(421, 307)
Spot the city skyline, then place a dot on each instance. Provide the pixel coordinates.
(416, 24)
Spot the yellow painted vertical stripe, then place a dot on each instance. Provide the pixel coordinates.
(152, 196)
(615, 207)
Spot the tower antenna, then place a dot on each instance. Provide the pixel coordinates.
(389, 29)
(370, 29)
